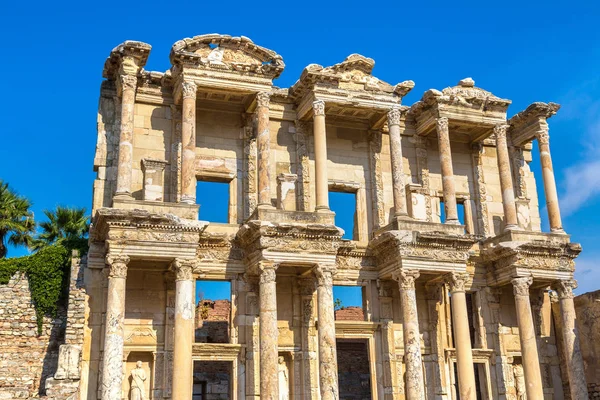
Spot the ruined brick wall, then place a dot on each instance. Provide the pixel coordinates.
(587, 307)
(212, 321)
(353, 370)
(352, 313)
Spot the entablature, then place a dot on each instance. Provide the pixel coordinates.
(529, 124)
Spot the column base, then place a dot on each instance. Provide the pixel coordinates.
(402, 216)
(265, 206)
(123, 196)
(511, 228)
(188, 200)
(323, 209)
(558, 230)
(452, 222)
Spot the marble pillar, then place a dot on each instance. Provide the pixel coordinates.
(112, 360)
(543, 139)
(447, 171)
(414, 386)
(263, 145)
(128, 84)
(269, 333)
(506, 182)
(462, 338)
(328, 377)
(529, 350)
(572, 351)
(188, 142)
(320, 140)
(184, 329)
(399, 189)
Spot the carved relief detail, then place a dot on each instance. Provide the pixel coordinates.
(481, 190)
(117, 264)
(319, 107)
(324, 274)
(406, 278)
(441, 124)
(250, 152)
(377, 194)
(500, 130)
(543, 136)
(128, 82)
(393, 116)
(184, 269)
(521, 285)
(303, 168)
(456, 281)
(263, 99)
(188, 90)
(565, 288)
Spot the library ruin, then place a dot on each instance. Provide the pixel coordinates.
(461, 293)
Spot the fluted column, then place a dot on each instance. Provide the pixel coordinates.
(543, 139)
(572, 352)
(414, 385)
(506, 183)
(447, 171)
(320, 136)
(188, 141)
(112, 361)
(128, 85)
(328, 377)
(269, 334)
(184, 329)
(529, 351)
(263, 145)
(397, 167)
(462, 338)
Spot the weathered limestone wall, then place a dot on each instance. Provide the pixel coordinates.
(587, 307)
(353, 370)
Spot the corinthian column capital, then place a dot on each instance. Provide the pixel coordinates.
(128, 82)
(267, 272)
(521, 285)
(184, 269)
(117, 264)
(319, 107)
(324, 274)
(441, 123)
(456, 281)
(188, 90)
(543, 136)
(406, 278)
(500, 130)
(393, 116)
(263, 99)
(564, 288)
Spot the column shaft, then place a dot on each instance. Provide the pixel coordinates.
(184, 330)
(328, 377)
(414, 386)
(572, 351)
(529, 351)
(112, 361)
(397, 167)
(124, 167)
(188, 141)
(263, 144)
(549, 183)
(269, 333)
(320, 139)
(447, 171)
(462, 338)
(506, 183)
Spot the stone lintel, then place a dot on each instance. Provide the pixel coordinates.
(216, 351)
(178, 210)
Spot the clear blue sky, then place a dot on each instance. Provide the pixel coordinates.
(527, 51)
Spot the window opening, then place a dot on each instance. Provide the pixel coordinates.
(213, 198)
(354, 375)
(212, 380)
(349, 303)
(213, 311)
(344, 206)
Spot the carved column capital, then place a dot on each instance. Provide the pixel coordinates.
(564, 288)
(128, 82)
(441, 123)
(319, 107)
(267, 272)
(521, 285)
(456, 281)
(188, 90)
(406, 278)
(117, 265)
(324, 274)
(500, 130)
(184, 269)
(263, 99)
(543, 136)
(393, 116)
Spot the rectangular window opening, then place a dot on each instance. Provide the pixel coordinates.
(354, 375)
(348, 303)
(213, 311)
(460, 210)
(213, 198)
(212, 380)
(344, 206)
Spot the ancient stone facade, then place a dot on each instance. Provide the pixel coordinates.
(447, 243)
(587, 307)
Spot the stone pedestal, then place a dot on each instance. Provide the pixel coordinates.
(462, 339)
(414, 388)
(447, 171)
(506, 183)
(128, 85)
(188, 142)
(552, 206)
(154, 171)
(263, 146)
(399, 189)
(328, 378)
(572, 351)
(529, 351)
(184, 330)
(286, 191)
(269, 333)
(112, 361)
(320, 140)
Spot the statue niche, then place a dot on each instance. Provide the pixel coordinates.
(138, 385)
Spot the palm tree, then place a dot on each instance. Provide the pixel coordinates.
(66, 226)
(16, 220)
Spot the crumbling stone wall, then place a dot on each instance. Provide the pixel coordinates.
(212, 321)
(587, 307)
(353, 370)
(212, 379)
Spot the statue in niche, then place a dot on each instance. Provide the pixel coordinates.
(284, 385)
(520, 382)
(138, 377)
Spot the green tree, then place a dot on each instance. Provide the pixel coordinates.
(16, 220)
(66, 226)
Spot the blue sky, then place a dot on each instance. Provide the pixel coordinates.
(526, 51)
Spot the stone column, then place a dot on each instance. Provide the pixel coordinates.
(414, 386)
(269, 333)
(263, 144)
(112, 361)
(184, 330)
(328, 377)
(320, 136)
(447, 171)
(399, 189)
(549, 183)
(462, 339)
(128, 85)
(506, 183)
(529, 351)
(574, 360)
(188, 141)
